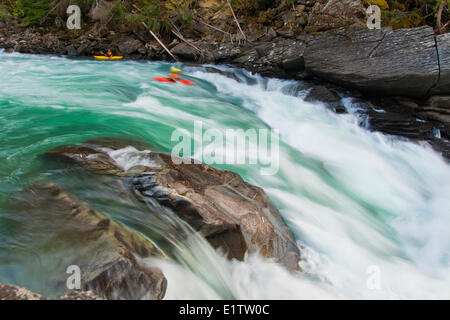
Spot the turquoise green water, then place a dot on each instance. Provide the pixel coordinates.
(354, 199)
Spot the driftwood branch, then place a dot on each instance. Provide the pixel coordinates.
(212, 27)
(236, 20)
(160, 42)
(48, 13)
(439, 16)
(178, 34)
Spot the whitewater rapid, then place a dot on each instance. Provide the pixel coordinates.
(370, 211)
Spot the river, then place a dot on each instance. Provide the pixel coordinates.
(370, 211)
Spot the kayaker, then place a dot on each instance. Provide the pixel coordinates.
(109, 54)
(175, 73)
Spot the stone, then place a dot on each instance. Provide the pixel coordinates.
(10, 292)
(108, 253)
(230, 213)
(327, 97)
(443, 48)
(185, 52)
(129, 45)
(71, 51)
(283, 58)
(400, 62)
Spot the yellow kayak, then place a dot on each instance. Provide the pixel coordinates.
(108, 58)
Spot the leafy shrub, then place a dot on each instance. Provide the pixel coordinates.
(4, 13)
(31, 11)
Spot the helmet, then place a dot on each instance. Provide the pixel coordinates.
(173, 69)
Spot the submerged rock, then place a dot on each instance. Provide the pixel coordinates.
(107, 253)
(79, 295)
(227, 74)
(10, 292)
(230, 213)
(326, 96)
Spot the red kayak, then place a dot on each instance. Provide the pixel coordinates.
(170, 80)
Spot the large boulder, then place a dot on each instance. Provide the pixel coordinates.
(443, 48)
(400, 62)
(67, 233)
(129, 45)
(283, 58)
(330, 99)
(185, 52)
(230, 213)
(438, 108)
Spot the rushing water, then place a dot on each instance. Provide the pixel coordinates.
(361, 204)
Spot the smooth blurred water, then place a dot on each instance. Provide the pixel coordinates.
(357, 201)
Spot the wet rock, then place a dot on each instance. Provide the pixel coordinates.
(99, 162)
(442, 102)
(401, 62)
(230, 75)
(283, 58)
(71, 51)
(224, 52)
(79, 295)
(327, 97)
(232, 214)
(129, 45)
(185, 52)
(10, 292)
(405, 119)
(108, 254)
(438, 108)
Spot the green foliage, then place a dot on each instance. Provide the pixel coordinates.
(399, 19)
(31, 11)
(411, 13)
(158, 15)
(119, 13)
(4, 13)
